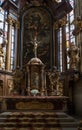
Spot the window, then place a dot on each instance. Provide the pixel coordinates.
(69, 36)
(3, 41)
(3, 37)
(12, 49)
(1, 25)
(69, 29)
(60, 66)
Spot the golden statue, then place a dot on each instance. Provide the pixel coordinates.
(55, 83)
(73, 54)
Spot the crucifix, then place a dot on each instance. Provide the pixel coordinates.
(35, 43)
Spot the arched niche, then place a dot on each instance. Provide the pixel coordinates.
(37, 20)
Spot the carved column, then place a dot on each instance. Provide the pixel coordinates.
(64, 57)
(10, 22)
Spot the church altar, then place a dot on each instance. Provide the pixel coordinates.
(44, 89)
(57, 103)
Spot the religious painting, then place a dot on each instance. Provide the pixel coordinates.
(37, 23)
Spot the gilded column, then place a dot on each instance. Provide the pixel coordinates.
(8, 61)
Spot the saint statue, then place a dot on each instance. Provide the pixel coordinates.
(73, 54)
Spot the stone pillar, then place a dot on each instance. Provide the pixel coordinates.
(10, 22)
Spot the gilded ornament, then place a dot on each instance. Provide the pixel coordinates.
(34, 105)
(17, 25)
(73, 54)
(63, 21)
(56, 25)
(10, 20)
(55, 82)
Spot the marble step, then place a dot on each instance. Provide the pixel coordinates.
(38, 120)
(38, 124)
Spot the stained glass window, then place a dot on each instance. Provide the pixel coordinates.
(4, 40)
(69, 29)
(3, 36)
(69, 36)
(12, 48)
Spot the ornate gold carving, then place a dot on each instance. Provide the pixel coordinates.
(60, 23)
(63, 21)
(55, 83)
(14, 22)
(10, 20)
(17, 24)
(56, 25)
(34, 105)
(78, 25)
